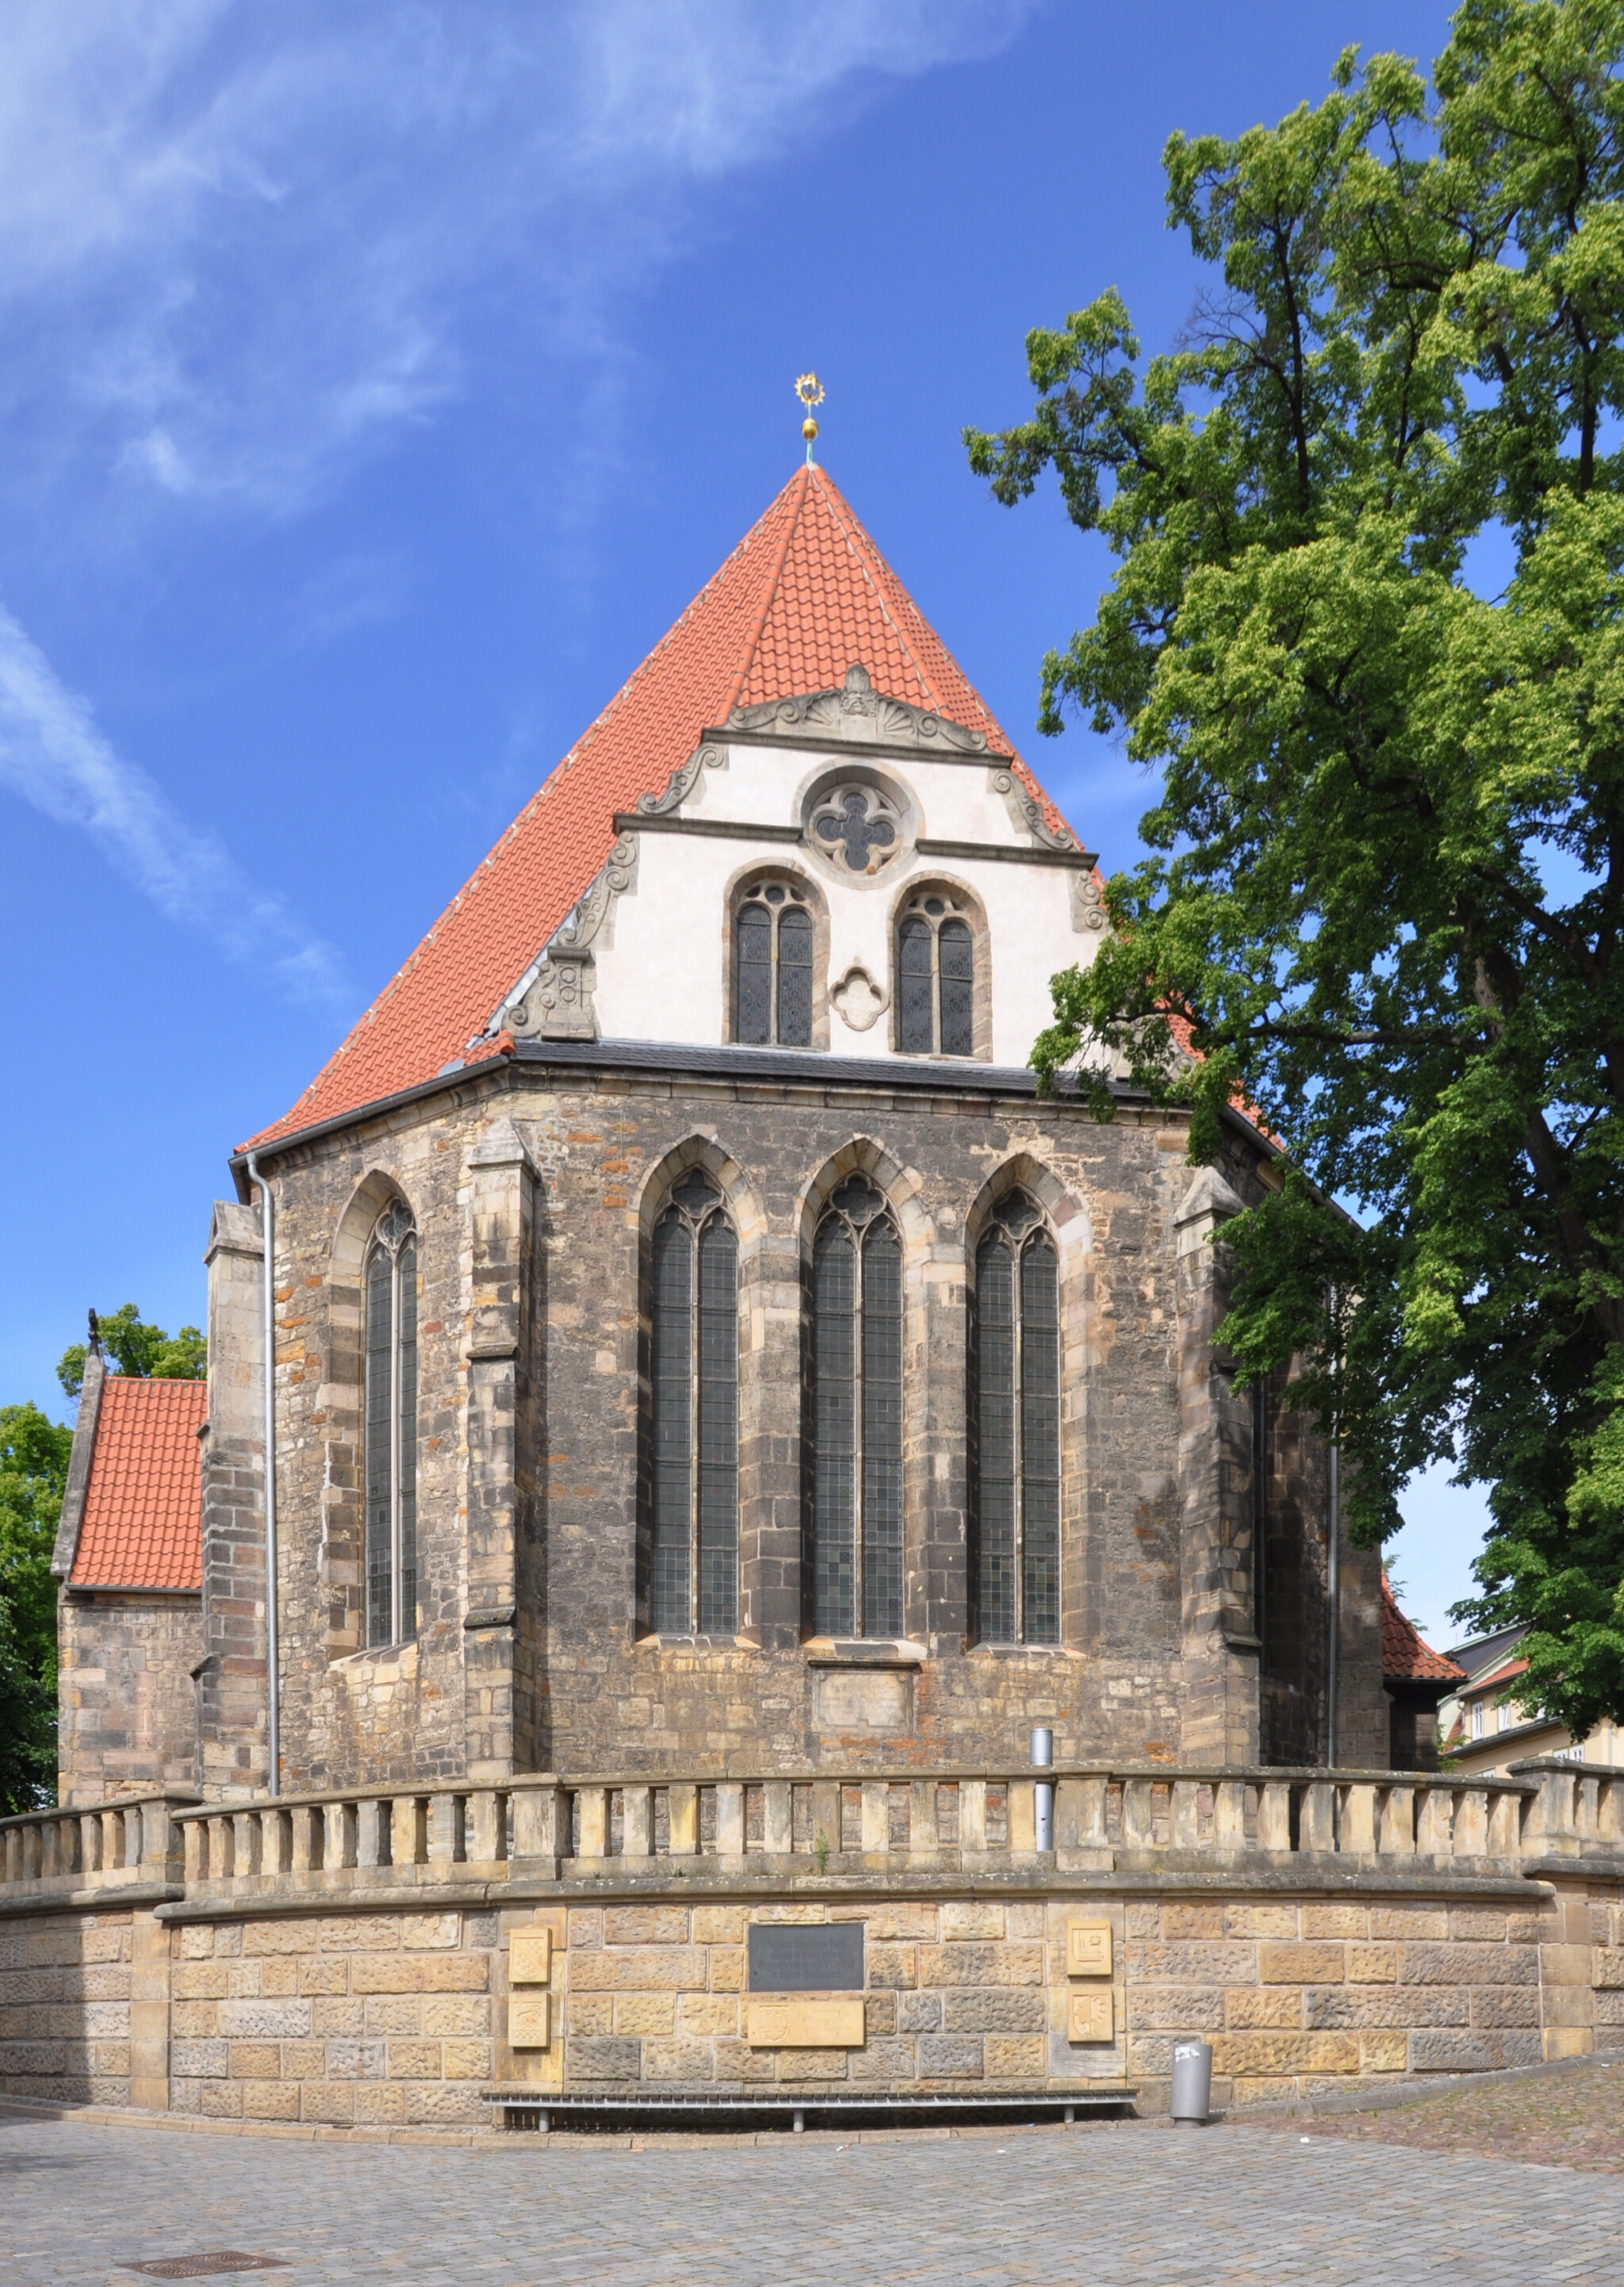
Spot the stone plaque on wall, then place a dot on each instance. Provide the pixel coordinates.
(1088, 1949)
(864, 1698)
(806, 1957)
(1089, 2014)
(529, 2021)
(774, 2024)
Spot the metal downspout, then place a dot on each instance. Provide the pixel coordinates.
(272, 1642)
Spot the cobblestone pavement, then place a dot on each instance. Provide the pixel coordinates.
(1572, 2119)
(1154, 2206)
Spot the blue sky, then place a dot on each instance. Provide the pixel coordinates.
(378, 384)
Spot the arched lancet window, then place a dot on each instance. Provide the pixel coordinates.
(857, 1417)
(1018, 1428)
(772, 966)
(391, 1429)
(694, 1568)
(936, 977)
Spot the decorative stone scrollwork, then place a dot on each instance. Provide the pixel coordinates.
(682, 781)
(1028, 814)
(553, 1000)
(860, 716)
(1088, 903)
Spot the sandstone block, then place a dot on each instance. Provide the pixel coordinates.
(592, 2058)
(197, 1942)
(414, 2059)
(970, 1963)
(1478, 1925)
(1317, 1964)
(321, 1972)
(1497, 2006)
(1373, 1965)
(717, 1926)
(896, 1966)
(459, 2015)
(201, 1980)
(590, 2015)
(1331, 2007)
(271, 2099)
(188, 2061)
(332, 2102)
(274, 1977)
(972, 1918)
(1469, 1965)
(586, 1926)
(272, 2020)
(1383, 2052)
(796, 2066)
(1193, 1963)
(1327, 1921)
(676, 2061)
(444, 2104)
(466, 2059)
(888, 2061)
(649, 1968)
(1254, 2008)
(254, 2059)
(879, 2013)
(356, 2059)
(1177, 2008)
(1450, 2052)
(1609, 1967)
(1008, 2058)
(343, 2018)
(697, 2013)
(736, 2060)
(648, 1925)
(728, 1969)
(922, 2013)
(892, 1924)
(1182, 1919)
(189, 2021)
(219, 2099)
(1254, 2054)
(993, 2009)
(380, 2103)
(290, 1933)
(430, 1932)
(304, 2060)
(393, 2013)
(1407, 1922)
(1243, 1919)
(950, 2056)
(646, 2013)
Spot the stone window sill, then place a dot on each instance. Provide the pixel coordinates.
(863, 1651)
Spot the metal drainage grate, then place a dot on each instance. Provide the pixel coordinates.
(202, 2267)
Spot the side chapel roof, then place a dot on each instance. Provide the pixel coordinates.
(1405, 1657)
(142, 1523)
(805, 595)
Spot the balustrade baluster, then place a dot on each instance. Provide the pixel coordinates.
(1434, 1822)
(778, 1818)
(541, 1822)
(487, 1827)
(973, 1815)
(1139, 1814)
(113, 1839)
(13, 1854)
(923, 1846)
(90, 1843)
(49, 1851)
(445, 1830)
(221, 1861)
(730, 1818)
(1319, 1824)
(196, 1831)
(246, 1841)
(1357, 1826)
(825, 1814)
(1229, 1814)
(1607, 1813)
(1505, 1824)
(1470, 1839)
(1184, 1814)
(682, 1805)
(1398, 1823)
(593, 1841)
(638, 1822)
(1274, 1814)
(371, 1833)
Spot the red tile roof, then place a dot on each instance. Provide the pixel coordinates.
(1404, 1657)
(142, 1526)
(804, 597)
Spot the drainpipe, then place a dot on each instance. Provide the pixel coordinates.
(273, 1645)
(1333, 1569)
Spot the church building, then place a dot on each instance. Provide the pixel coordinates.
(697, 1345)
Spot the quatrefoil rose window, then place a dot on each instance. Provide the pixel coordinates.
(857, 827)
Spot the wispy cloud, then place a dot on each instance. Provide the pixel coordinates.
(240, 245)
(53, 755)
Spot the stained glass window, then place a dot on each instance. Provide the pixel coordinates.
(390, 1430)
(1017, 1429)
(693, 1557)
(935, 978)
(773, 967)
(857, 1417)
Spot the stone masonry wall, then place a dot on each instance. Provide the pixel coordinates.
(380, 2017)
(127, 1704)
(533, 1187)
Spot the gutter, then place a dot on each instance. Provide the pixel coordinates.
(272, 1644)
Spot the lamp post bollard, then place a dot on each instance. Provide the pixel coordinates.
(1191, 2101)
(1043, 1792)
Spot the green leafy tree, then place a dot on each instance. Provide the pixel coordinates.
(1386, 889)
(136, 1348)
(34, 1452)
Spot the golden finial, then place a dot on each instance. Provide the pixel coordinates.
(809, 388)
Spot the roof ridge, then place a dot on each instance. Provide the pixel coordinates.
(837, 502)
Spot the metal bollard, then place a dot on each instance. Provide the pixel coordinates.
(1043, 1792)
(1192, 2082)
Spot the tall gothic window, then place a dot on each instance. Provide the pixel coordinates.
(936, 977)
(391, 1429)
(694, 1568)
(1017, 1429)
(857, 1417)
(773, 967)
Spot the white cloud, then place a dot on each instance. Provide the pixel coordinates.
(53, 755)
(240, 244)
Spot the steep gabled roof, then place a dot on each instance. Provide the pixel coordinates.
(1405, 1657)
(142, 1526)
(805, 595)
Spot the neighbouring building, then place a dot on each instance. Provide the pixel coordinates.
(1486, 1728)
(1416, 1680)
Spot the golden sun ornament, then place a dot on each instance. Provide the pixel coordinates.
(809, 388)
